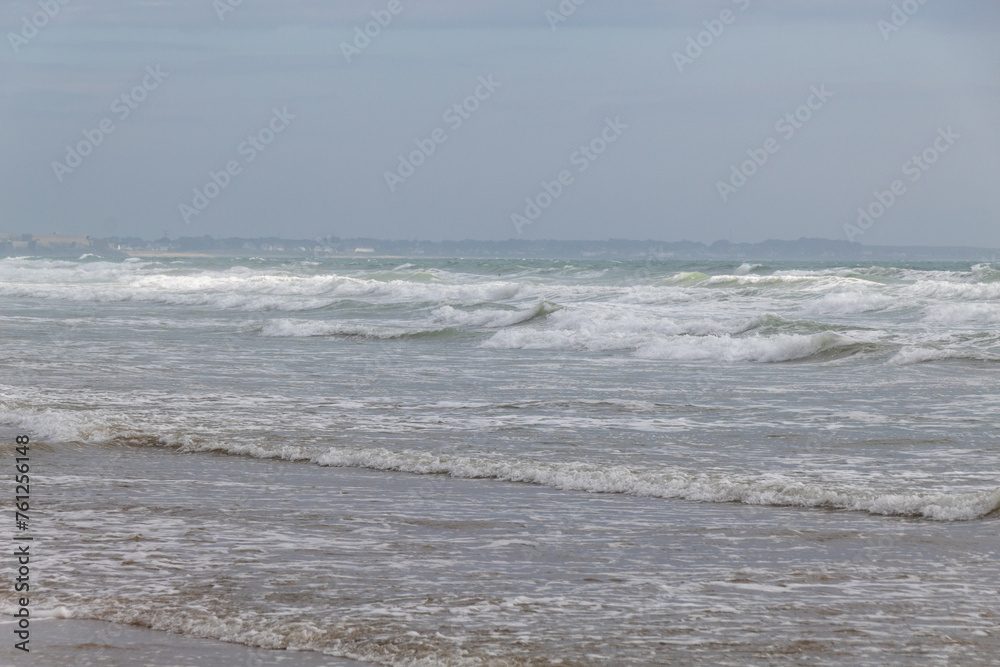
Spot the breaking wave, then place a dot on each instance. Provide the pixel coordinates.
(288, 328)
(919, 355)
(669, 483)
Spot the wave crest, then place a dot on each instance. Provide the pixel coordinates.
(667, 483)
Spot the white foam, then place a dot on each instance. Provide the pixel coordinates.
(656, 337)
(963, 313)
(919, 355)
(490, 318)
(289, 328)
(239, 287)
(947, 289)
(606, 326)
(56, 425)
(668, 482)
(850, 303)
(37, 614)
(780, 347)
(766, 489)
(798, 279)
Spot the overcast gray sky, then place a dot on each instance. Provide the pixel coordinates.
(664, 120)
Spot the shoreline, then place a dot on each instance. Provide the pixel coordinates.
(83, 643)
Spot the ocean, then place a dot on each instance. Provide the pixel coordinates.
(499, 462)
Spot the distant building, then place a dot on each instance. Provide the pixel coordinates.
(58, 241)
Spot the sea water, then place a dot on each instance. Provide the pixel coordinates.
(514, 462)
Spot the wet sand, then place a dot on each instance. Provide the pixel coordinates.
(61, 642)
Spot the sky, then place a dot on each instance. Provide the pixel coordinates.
(864, 120)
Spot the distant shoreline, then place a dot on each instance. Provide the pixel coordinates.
(803, 249)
